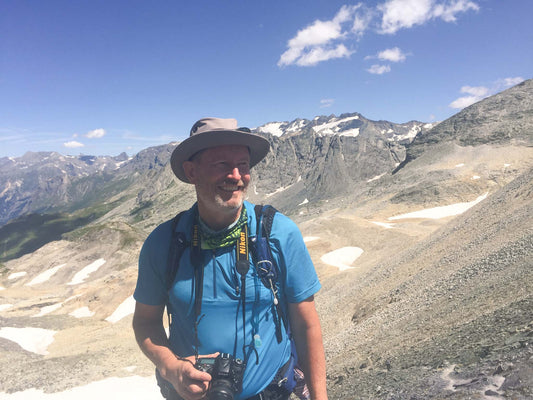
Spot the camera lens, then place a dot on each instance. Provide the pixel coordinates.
(221, 389)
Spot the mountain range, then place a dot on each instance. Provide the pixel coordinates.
(47, 181)
(421, 234)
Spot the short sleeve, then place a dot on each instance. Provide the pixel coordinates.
(299, 275)
(151, 285)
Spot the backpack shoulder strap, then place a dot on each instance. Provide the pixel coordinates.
(267, 268)
(265, 216)
(175, 251)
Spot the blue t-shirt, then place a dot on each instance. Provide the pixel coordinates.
(221, 326)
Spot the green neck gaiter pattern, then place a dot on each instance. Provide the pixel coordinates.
(225, 237)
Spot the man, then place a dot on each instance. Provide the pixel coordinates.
(218, 305)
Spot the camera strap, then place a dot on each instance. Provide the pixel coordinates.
(242, 265)
(196, 261)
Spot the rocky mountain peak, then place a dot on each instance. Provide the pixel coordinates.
(505, 118)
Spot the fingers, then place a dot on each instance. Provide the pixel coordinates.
(194, 390)
(192, 383)
(197, 375)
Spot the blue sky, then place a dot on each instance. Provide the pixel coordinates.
(103, 77)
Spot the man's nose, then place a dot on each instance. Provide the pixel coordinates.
(235, 174)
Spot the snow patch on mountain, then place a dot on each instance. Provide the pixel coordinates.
(82, 312)
(85, 272)
(375, 178)
(274, 128)
(333, 128)
(350, 132)
(16, 275)
(278, 190)
(342, 258)
(35, 340)
(296, 126)
(124, 309)
(386, 225)
(410, 135)
(131, 388)
(48, 309)
(44, 276)
(441, 212)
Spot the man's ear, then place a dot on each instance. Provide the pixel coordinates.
(190, 171)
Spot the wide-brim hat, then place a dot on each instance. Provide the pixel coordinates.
(213, 132)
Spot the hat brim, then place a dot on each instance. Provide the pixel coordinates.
(258, 145)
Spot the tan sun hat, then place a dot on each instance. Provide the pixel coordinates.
(213, 132)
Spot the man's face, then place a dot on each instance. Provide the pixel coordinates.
(221, 176)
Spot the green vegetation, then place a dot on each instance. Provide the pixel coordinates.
(126, 234)
(94, 188)
(28, 233)
(127, 239)
(142, 211)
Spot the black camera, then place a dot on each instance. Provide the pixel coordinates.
(226, 375)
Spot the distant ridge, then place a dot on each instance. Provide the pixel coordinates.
(505, 118)
(50, 182)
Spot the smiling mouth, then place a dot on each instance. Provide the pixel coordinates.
(229, 186)
(231, 189)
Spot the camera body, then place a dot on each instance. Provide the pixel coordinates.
(226, 375)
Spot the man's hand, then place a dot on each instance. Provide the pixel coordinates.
(189, 382)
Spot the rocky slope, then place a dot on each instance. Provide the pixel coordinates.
(457, 307)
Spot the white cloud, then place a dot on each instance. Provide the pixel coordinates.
(447, 12)
(400, 14)
(475, 94)
(465, 101)
(73, 144)
(324, 103)
(95, 134)
(379, 69)
(393, 55)
(316, 42)
(362, 20)
(319, 54)
(478, 93)
(320, 40)
(508, 82)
